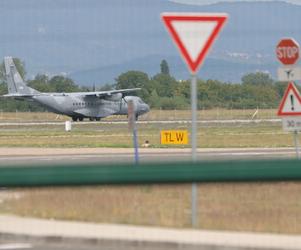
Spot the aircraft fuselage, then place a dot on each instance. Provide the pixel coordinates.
(77, 106)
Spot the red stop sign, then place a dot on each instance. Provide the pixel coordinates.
(287, 51)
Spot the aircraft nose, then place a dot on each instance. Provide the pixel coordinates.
(145, 108)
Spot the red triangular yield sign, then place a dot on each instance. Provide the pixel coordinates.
(194, 34)
(291, 102)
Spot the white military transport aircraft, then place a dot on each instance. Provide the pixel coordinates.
(78, 105)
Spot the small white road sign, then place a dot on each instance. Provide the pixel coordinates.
(287, 74)
(291, 124)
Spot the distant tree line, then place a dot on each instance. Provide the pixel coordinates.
(162, 90)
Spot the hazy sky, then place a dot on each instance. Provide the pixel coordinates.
(204, 2)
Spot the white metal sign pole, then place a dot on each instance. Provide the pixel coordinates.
(132, 126)
(296, 139)
(135, 141)
(194, 117)
(194, 193)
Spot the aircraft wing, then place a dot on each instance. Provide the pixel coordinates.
(108, 93)
(17, 95)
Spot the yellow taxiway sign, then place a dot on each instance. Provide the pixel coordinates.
(174, 137)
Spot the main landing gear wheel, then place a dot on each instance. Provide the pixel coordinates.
(94, 119)
(75, 119)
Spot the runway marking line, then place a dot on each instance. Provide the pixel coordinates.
(15, 246)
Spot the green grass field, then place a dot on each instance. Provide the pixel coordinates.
(118, 135)
(210, 135)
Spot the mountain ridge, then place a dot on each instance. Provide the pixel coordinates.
(75, 37)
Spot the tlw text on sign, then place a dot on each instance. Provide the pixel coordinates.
(174, 137)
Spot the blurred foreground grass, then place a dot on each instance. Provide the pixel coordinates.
(257, 207)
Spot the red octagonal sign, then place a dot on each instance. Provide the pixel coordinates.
(287, 51)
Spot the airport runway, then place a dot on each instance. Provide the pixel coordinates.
(54, 156)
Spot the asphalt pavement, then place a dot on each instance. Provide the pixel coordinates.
(53, 156)
(30, 233)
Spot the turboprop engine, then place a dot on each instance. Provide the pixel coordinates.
(114, 97)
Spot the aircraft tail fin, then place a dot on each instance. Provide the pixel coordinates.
(15, 83)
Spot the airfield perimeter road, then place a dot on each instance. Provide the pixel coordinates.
(32, 233)
(49, 156)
